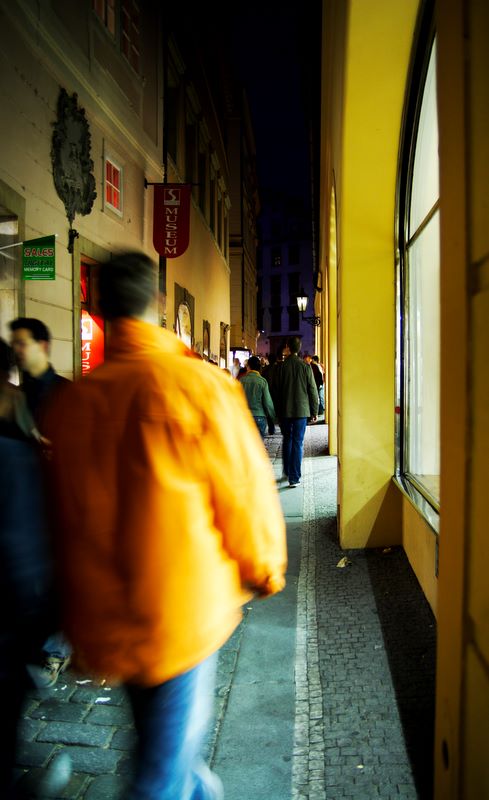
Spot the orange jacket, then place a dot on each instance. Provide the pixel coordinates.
(168, 515)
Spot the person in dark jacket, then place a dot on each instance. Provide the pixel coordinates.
(26, 595)
(31, 340)
(318, 376)
(258, 395)
(299, 401)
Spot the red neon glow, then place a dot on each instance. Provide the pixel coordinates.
(92, 341)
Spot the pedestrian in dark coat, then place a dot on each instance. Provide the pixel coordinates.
(26, 597)
(298, 402)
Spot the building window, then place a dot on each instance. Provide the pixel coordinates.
(294, 287)
(294, 324)
(294, 254)
(276, 290)
(226, 237)
(276, 229)
(190, 153)
(113, 186)
(276, 319)
(105, 11)
(130, 32)
(220, 239)
(276, 256)
(202, 179)
(212, 203)
(419, 295)
(121, 20)
(171, 118)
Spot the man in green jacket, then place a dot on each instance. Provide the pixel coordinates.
(258, 395)
(298, 402)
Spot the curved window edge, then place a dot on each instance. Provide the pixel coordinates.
(419, 502)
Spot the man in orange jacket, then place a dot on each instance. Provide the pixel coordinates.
(168, 520)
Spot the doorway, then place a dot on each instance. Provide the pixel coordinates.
(92, 321)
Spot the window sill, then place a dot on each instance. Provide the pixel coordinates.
(420, 503)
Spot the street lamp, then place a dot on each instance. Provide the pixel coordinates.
(302, 306)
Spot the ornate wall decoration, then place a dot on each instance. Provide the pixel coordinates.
(70, 156)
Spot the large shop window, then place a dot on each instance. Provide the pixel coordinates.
(419, 298)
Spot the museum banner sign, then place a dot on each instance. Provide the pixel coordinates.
(171, 219)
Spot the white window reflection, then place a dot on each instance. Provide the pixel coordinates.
(422, 287)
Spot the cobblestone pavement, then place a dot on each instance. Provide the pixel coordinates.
(364, 677)
(370, 640)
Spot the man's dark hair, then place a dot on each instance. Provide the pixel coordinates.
(316, 359)
(127, 285)
(37, 329)
(254, 363)
(294, 343)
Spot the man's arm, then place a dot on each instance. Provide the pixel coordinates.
(244, 495)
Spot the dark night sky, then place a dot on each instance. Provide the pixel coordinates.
(266, 52)
(273, 46)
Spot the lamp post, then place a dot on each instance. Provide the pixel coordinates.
(302, 306)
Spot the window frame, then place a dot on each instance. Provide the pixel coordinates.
(118, 35)
(425, 503)
(108, 158)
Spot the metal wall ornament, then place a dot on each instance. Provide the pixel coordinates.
(70, 157)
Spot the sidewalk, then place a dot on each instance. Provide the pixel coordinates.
(325, 691)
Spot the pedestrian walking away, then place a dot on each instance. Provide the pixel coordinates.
(298, 399)
(258, 396)
(168, 520)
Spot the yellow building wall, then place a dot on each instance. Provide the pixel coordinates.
(331, 390)
(378, 48)
(419, 543)
(365, 63)
(462, 726)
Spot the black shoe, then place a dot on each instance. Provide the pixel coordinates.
(46, 675)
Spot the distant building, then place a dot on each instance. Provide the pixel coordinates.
(245, 208)
(284, 269)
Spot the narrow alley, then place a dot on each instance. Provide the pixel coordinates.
(325, 691)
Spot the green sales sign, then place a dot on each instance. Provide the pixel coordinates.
(38, 259)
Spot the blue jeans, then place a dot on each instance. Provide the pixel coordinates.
(171, 721)
(261, 424)
(293, 431)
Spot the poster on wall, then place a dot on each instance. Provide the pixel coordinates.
(39, 259)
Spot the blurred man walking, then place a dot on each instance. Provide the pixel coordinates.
(169, 520)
